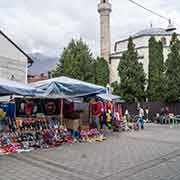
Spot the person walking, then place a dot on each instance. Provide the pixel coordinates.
(141, 117)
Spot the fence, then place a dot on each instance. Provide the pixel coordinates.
(154, 108)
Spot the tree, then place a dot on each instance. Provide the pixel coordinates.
(76, 61)
(116, 88)
(155, 90)
(132, 76)
(101, 72)
(173, 71)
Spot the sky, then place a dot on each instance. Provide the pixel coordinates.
(46, 26)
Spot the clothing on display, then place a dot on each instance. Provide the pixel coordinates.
(37, 125)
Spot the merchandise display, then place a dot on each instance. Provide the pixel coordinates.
(29, 140)
(91, 135)
(61, 116)
(38, 127)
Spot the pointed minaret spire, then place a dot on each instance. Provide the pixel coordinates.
(151, 25)
(104, 9)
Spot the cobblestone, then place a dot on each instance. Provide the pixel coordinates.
(150, 154)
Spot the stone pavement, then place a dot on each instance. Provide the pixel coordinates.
(152, 154)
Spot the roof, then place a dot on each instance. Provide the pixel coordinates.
(14, 44)
(148, 32)
(65, 87)
(152, 31)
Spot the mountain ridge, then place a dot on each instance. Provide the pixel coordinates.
(42, 63)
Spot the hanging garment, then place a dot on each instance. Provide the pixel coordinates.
(28, 108)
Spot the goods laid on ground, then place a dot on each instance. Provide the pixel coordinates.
(92, 135)
(44, 122)
(39, 129)
(27, 141)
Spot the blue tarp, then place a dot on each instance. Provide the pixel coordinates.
(110, 97)
(8, 87)
(64, 87)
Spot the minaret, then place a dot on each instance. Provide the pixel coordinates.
(104, 9)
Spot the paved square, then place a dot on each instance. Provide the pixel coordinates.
(148, 155)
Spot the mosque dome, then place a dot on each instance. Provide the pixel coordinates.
(153, 32)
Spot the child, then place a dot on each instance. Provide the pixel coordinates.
(108, 120)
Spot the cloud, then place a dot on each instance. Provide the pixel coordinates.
(48, 25)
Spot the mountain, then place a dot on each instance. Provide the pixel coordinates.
(42, 63)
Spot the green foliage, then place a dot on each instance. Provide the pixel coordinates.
(155, 89)
(116, 88)
(173, 71)
(101, 72)
(76, 61)
(132, 76)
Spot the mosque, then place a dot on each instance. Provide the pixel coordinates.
(140, 40)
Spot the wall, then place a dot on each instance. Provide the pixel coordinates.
(139, 42)
(35, 78)
(12, 61)
(143, 52)
(113, 70)
(154, 108)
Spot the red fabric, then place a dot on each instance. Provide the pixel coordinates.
(68, 107)
(109, 106)
(98, 108)
(116, 108)
(121, 113)
(28, 108)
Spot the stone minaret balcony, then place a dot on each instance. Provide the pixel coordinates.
(104, 6)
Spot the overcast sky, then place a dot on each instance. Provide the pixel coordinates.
(48, 25)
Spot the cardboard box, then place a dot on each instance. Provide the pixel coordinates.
(84, 126)
(72, 124)
(84, 116)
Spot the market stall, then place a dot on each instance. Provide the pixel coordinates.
(112, 115)
(8, 87)
(48, 114)
(8, 126)
(65, 87)
(116, 100)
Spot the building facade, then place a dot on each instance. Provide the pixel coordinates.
(35, 78)
(14, 61)
(141, 41)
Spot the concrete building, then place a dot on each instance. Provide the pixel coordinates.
(140, 40)
(104, 9)
(35, 78)
(14, 61)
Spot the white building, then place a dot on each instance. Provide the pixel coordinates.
(14, 61)
(141, 40)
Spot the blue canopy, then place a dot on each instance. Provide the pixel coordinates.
(111, 97)
(8, 87)
(64, 87)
